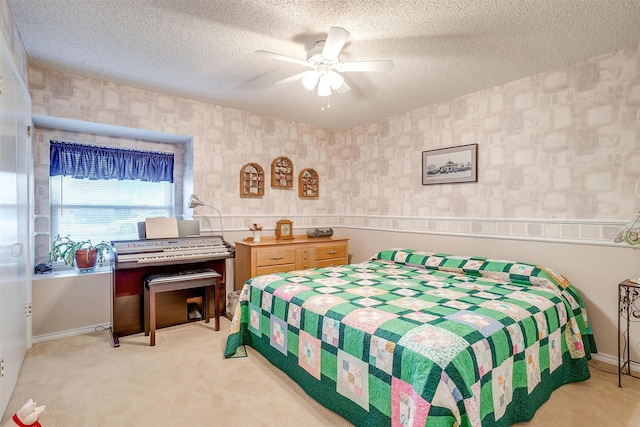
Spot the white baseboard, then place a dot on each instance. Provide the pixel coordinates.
(613, 360)
(70, 333)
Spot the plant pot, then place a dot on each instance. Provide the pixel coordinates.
(256, 235)
(86, 260)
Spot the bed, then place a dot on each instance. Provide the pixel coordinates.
(415, 338)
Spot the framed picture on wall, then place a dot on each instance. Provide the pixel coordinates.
(450, 165)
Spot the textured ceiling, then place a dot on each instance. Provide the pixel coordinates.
(205, 49)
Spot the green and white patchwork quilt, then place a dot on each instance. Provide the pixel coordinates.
(412, 338)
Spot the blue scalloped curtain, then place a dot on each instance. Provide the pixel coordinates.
(95, 162)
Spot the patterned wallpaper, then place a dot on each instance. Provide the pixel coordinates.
(224, 140)
(563, 144)
(558, 154)
(10, 35)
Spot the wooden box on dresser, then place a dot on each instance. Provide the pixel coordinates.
(276, 256)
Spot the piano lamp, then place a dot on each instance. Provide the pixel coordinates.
(194, 202)
(630, 235)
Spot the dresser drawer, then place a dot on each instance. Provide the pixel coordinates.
(327, 251)
(331, 262)
(275, 256)
(270, 269)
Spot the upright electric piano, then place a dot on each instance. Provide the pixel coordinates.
(135, 260)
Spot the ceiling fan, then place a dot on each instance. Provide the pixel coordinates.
(324, 60)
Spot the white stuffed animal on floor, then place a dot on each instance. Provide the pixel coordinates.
(27, 416)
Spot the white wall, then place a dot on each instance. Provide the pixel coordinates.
(67, 303)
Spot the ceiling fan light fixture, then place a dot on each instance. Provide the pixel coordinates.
(324, 86)
(335, 80)
(323, 60)
(310, 80)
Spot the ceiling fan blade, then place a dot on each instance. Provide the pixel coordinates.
(344, 88)
(382, 65)
(291, 79)
(284, 58)
(335, 41)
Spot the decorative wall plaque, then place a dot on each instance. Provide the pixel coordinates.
(251, 180)
(281, 173)
(308, 184)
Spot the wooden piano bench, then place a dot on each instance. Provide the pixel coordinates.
(205, 278)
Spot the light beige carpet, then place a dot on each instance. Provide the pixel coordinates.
(184, 381)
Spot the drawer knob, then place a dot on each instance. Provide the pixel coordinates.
(276, 258)
(332, 252)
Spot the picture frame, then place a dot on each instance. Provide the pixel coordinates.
(450, 165)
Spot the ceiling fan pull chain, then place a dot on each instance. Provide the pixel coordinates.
(322, 107)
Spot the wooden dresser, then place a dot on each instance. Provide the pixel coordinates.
(275, 256)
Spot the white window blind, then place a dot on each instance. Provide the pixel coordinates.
(106, 209)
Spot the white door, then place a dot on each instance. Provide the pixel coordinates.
(24, 189)
(13, 235)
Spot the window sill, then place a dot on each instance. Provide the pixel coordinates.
(70, 273)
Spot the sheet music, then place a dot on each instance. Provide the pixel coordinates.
(161, 228)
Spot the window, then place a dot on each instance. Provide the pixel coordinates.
(106, 210)
(87, 202)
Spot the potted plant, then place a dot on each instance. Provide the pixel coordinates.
(81, 253)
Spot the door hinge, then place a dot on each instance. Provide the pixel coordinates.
(29, 309)
(29, 130)
(2, 368)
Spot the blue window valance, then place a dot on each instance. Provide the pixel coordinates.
(95, 162)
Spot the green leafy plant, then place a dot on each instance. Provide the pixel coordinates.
(65, 248)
